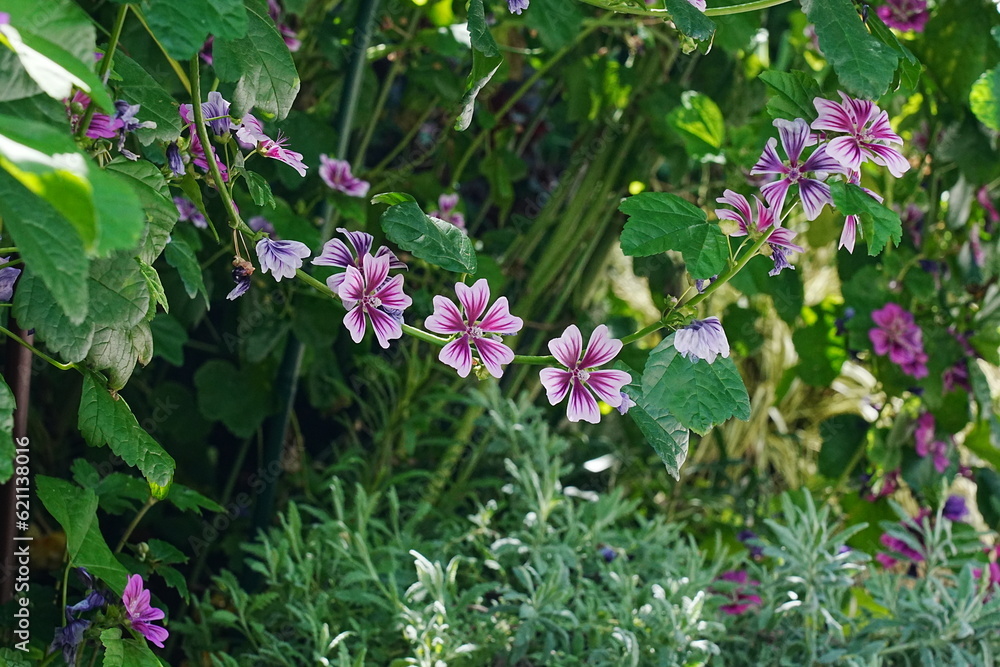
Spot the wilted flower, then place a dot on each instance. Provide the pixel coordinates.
(337, 253)
(337, 176)
(281, 258)
(174, 159)
(187, 211)
(814, 194)
(867, 133)
(275, 149)
(904, 14)
(8, 276)
(68, 639)
(626, 403)
(702, 339)
(474, 325)
(140, 613)
(896, 334)
(214, 111)
(102, 126)
(578, 379)
(366, 293)
(242, 270)
(446, 211)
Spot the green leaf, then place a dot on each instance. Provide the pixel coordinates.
(957, 47)
(117, 350)
(36, 308)
(54, 69)
(785, 289)
(231, 396)
(909, 67)
(75, 509)
(182, 26)
(107, 420)
(119, 297)
(148, 183)
(155, 286)
(139, 87)
(699, 122)
(7, 448)
(114, 651)
(699, 394)
(260, 191)
(169, 337)
(879, 224)
(436, 241)
(49, 245)
(392, 198)
(180, 256)
(793, 96)
(864, 65)
(668, 438)
(479, 32)
(189, 500)
(984, 99)
(689, 20)
(984, 442)
(120, 215)
(486, 60)
(261, 66)
(659, 221)
(843, 436)
(819, 346)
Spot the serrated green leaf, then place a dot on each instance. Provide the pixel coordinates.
(156, 104)
(36, 308)
(75, 509)
(699, 394)
(119, 213)
(879, 224)
(119, 297)
(668, 438)
(116, 351)
(479, 32)
(189, 500)
(182, 26)
(261, 66)
(114, 652)
(690, 20)
(793, 95)
(909, 67)
(659, 221)
(161, 214)
(49, 245)
(260, 191)
(984, 99)
(155, 286)
(231, 396)
(699, 122)
(174, 579)
(436, 241)
(864, 65)
(483, 69)
(180, 256)
(107, 420)
(7, 448)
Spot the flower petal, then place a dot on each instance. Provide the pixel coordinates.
(794, 135)
(352, 285)
(832, 116)
(446, 318)
(494, 355)
(608, 385)
(846, 151)
(556, 382)
(390, 293)
(769, 162)
(601, 348)
(354, 320)
(849, 235)
(582, 405)
(499, 320)
(335, 253)
(386, 328)
(376, 269)
(567, 348)
(458, 355)
(473, 299)
(814, 195)
(888, 157)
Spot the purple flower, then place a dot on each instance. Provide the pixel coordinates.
(281, 258)
(850, 233)
(140, 613)
(751, 541)
(275, 149)
(102, 126)
(517, 6)
(702, 339)
(954, 508)
(904, 15)
(94, 600)
(626, 404)
(187, 211)
(291, 38)
(8, 276)
(607, 553)
(475, 325)
(954, 377)
(446, 211)
(579, 379)
(68, 639)
(780, 240)
(174, 159)
(259, 223)
(927, 445)
(741, 601)
(895, 334)
(867, 134)
(337, 175)
(215, 112)
(366, 293)
(337, 253)
(795, 136)
(250, 133)
(201, 161)
(242, 270)
(698, 4)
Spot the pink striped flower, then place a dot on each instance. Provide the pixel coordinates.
(779, 243)
(139, 612)
(367, 294)
(579, 379)
(337, 176)
(475, 326)
(866, 134)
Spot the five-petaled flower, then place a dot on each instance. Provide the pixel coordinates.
(702, 339)
(474, 325)
(896, 334)
(367, 294)
(337, 253)
(795, 136)
(779, 241)
(337, 176)
(866, 134)
(579, 379)
(281, 258)
(140, 613)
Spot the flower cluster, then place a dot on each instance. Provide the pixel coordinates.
(102, 126)
(896, 335)
(928, 445)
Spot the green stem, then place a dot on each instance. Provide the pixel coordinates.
(534, 360)
(235, 221)
(727, 275)
(642, 333)
(36, 351)
(8, 251)
(663, 13)
(424, 336)
(135, 522)
(306, 278)
(103, 68)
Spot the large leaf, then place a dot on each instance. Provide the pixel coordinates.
(6, 432)
(864, 65)
(793, 94)
(659, 221)
(120, 216)
(785, 289)
(879, 224)
(129, 652)
(107, 420)
(119, 297)
(699, 122)
(957, 46)
(486, 60)
(182, 26)
(689, 20)
(984, 99)
(161, 214)
(436, 241)
(181, 256)
(664, 433)
(76, 511)
(699, 394)
(117, 350)
(49, 245)
(156, 104)
(36, 308)
(261, 66)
